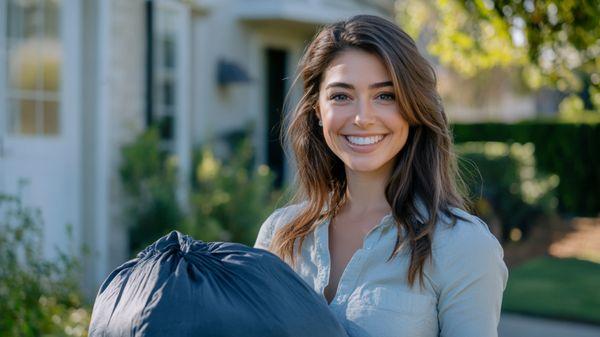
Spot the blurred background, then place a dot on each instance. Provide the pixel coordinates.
(121, 120)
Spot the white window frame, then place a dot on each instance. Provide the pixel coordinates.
(181, 143)
(8, 94)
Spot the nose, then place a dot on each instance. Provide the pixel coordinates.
(365, 115)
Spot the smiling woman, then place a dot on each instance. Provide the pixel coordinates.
(378, 210)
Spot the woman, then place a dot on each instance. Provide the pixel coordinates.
(378, 225)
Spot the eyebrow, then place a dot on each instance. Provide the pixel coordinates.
(350, 86)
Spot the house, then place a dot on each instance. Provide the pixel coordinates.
(79, 79)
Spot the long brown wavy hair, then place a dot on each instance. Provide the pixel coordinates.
(426, 165)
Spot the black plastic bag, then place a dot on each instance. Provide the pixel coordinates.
(179, 286)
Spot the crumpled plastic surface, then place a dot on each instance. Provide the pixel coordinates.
(182, 287)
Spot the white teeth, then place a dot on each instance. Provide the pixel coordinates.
(364, 140)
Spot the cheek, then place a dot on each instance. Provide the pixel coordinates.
(332, 126)
(397, 122)
(401, 130)
(331, 134)
(334, 118)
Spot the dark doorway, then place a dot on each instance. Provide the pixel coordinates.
(276, 63)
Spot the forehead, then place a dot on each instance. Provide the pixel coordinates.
(356, 67)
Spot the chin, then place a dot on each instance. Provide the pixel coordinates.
(365, 167)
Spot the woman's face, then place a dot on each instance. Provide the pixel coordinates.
(361, 118)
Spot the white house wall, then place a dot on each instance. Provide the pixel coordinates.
(216, 109)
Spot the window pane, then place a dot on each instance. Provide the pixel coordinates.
(165, 125)
(168, 93)
(168, 44)
(51, 19)
(50, 65)
(33, 18)
(14, 116)
(50, 115)
(23, 65)
(28, 117)
(13, 24)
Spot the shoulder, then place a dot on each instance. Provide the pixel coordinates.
(279, 218)
(457, 229)
(468, 246)
(469, 232)
(284, 215)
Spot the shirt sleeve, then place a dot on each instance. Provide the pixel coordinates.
(265, 233)
(471, 276)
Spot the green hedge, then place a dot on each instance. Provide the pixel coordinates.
(570, 150)
(506, 185)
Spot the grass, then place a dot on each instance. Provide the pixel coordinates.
(556, 288)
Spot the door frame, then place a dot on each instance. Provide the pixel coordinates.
(260, 42)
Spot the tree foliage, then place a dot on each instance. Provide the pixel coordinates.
(554, 43)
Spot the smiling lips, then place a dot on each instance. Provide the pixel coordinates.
(362, 141)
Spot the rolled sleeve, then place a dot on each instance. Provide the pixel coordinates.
(471, 276)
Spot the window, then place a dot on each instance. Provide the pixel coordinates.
(34, 61)
(165, 72)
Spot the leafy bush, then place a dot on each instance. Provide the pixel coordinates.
(511, 188)
(148, 177)
(228, 199)
(37, 297)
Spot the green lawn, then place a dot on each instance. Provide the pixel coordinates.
(557, 288)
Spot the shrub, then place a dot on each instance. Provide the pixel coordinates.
(38, 297)
(567, 149)
(510, 183)
(148, 178)
(230, 199)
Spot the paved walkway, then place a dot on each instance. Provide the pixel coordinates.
(512, 325)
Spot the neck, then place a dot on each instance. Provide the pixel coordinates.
(365, 192)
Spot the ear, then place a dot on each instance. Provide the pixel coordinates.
(317, 112)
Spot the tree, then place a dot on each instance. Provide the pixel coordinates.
(554, 43)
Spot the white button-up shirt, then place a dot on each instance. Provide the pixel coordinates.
(463, 286)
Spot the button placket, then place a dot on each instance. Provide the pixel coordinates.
(354, 266)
